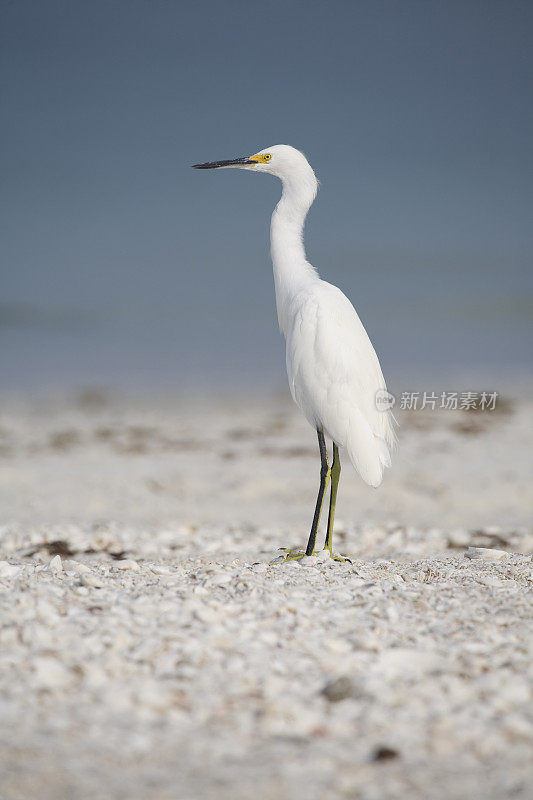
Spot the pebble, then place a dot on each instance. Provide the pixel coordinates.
(127, 564)
(206, 614)
(308, 561)
(55, 565)
(8, 570)
(219, 578)
(338, 689)
(161, 570)
(91, 580)
(495, 581)
(486, 553)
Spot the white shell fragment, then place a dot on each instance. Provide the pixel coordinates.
(486, 553)
(91, 580)
(8, 570)
(308, 561)
(126, 564)
(56, 565)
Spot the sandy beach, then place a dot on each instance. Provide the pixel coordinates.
(149, 649)
(154, 470)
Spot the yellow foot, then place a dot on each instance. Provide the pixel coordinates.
(341, 559)
(294, 554)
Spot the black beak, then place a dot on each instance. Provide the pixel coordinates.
(235, 162)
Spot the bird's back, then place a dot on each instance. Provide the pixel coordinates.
(334, 375)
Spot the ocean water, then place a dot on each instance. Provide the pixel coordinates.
(456, 326)
(121, 266)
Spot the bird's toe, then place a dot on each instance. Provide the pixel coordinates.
(291, 554)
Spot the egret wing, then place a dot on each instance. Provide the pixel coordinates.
(334, 375)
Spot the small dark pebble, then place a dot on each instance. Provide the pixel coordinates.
(384, 753)
(338, 689)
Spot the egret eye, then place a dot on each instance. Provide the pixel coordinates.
(267, 156)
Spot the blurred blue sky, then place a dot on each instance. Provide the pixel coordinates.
(120, 264)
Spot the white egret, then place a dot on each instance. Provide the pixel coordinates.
(333, 370)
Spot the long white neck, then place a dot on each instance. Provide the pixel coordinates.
(292, 271)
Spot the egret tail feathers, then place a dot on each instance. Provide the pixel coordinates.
(368, 453)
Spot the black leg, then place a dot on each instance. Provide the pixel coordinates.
(324, 480)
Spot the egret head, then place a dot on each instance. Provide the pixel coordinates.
(281, 160)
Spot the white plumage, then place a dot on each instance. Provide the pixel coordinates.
(333, 370)
(334, 376)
